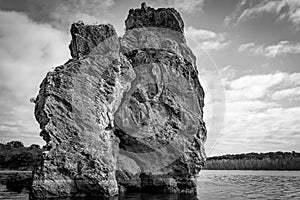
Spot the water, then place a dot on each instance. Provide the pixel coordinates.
(236, 184)
(219, 184)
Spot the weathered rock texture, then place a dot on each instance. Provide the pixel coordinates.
(124, 114)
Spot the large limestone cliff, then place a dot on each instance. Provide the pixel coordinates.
(124, 114)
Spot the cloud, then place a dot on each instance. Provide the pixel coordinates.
(262, 87)
(61, 13)
(28, 50)
(261, 113)
(279, 49)
(189, 6)
(246, 46)
(260, 9)
(284, 10)
(207, 40)
(290, 94)
(90, 11)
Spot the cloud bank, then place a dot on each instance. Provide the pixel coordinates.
(261, 113)
(288, 10)
(279, 49)
(61, 13)
(27, 51)
(207, 40)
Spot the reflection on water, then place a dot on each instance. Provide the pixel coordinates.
(8, 195)
(141, 196)
(218, 184)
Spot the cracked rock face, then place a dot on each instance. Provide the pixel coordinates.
(124, 114)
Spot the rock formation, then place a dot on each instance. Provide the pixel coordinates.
(124, 114)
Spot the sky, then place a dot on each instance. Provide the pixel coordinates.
(248, 58)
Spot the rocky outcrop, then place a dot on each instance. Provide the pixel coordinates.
(149, 17)
(75, 108)
(124, 114)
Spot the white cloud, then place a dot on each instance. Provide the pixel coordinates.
(253, 81)
(284, 9)
(89, 11)
(207, 40)
(61, 13)
(290, 94)
(259, 115)
(279, 49)
(246, 46)
(260, 9)
(189, 6)
(27, 51)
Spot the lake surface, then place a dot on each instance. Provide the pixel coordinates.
(227, 184)
(219, 184)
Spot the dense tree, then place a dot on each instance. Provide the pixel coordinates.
(2, 160)
(254, 161)
(21, 160)
(14, 155)
(34, 146)
(15, 144)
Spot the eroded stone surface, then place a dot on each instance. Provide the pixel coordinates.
(125, 114)
(75, 108)
(160, 120)
(149, 17)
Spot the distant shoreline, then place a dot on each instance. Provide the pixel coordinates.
(271, 161)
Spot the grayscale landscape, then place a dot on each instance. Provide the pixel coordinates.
(174, 99)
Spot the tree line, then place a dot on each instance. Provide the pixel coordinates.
(15, 156)
(255, 161)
